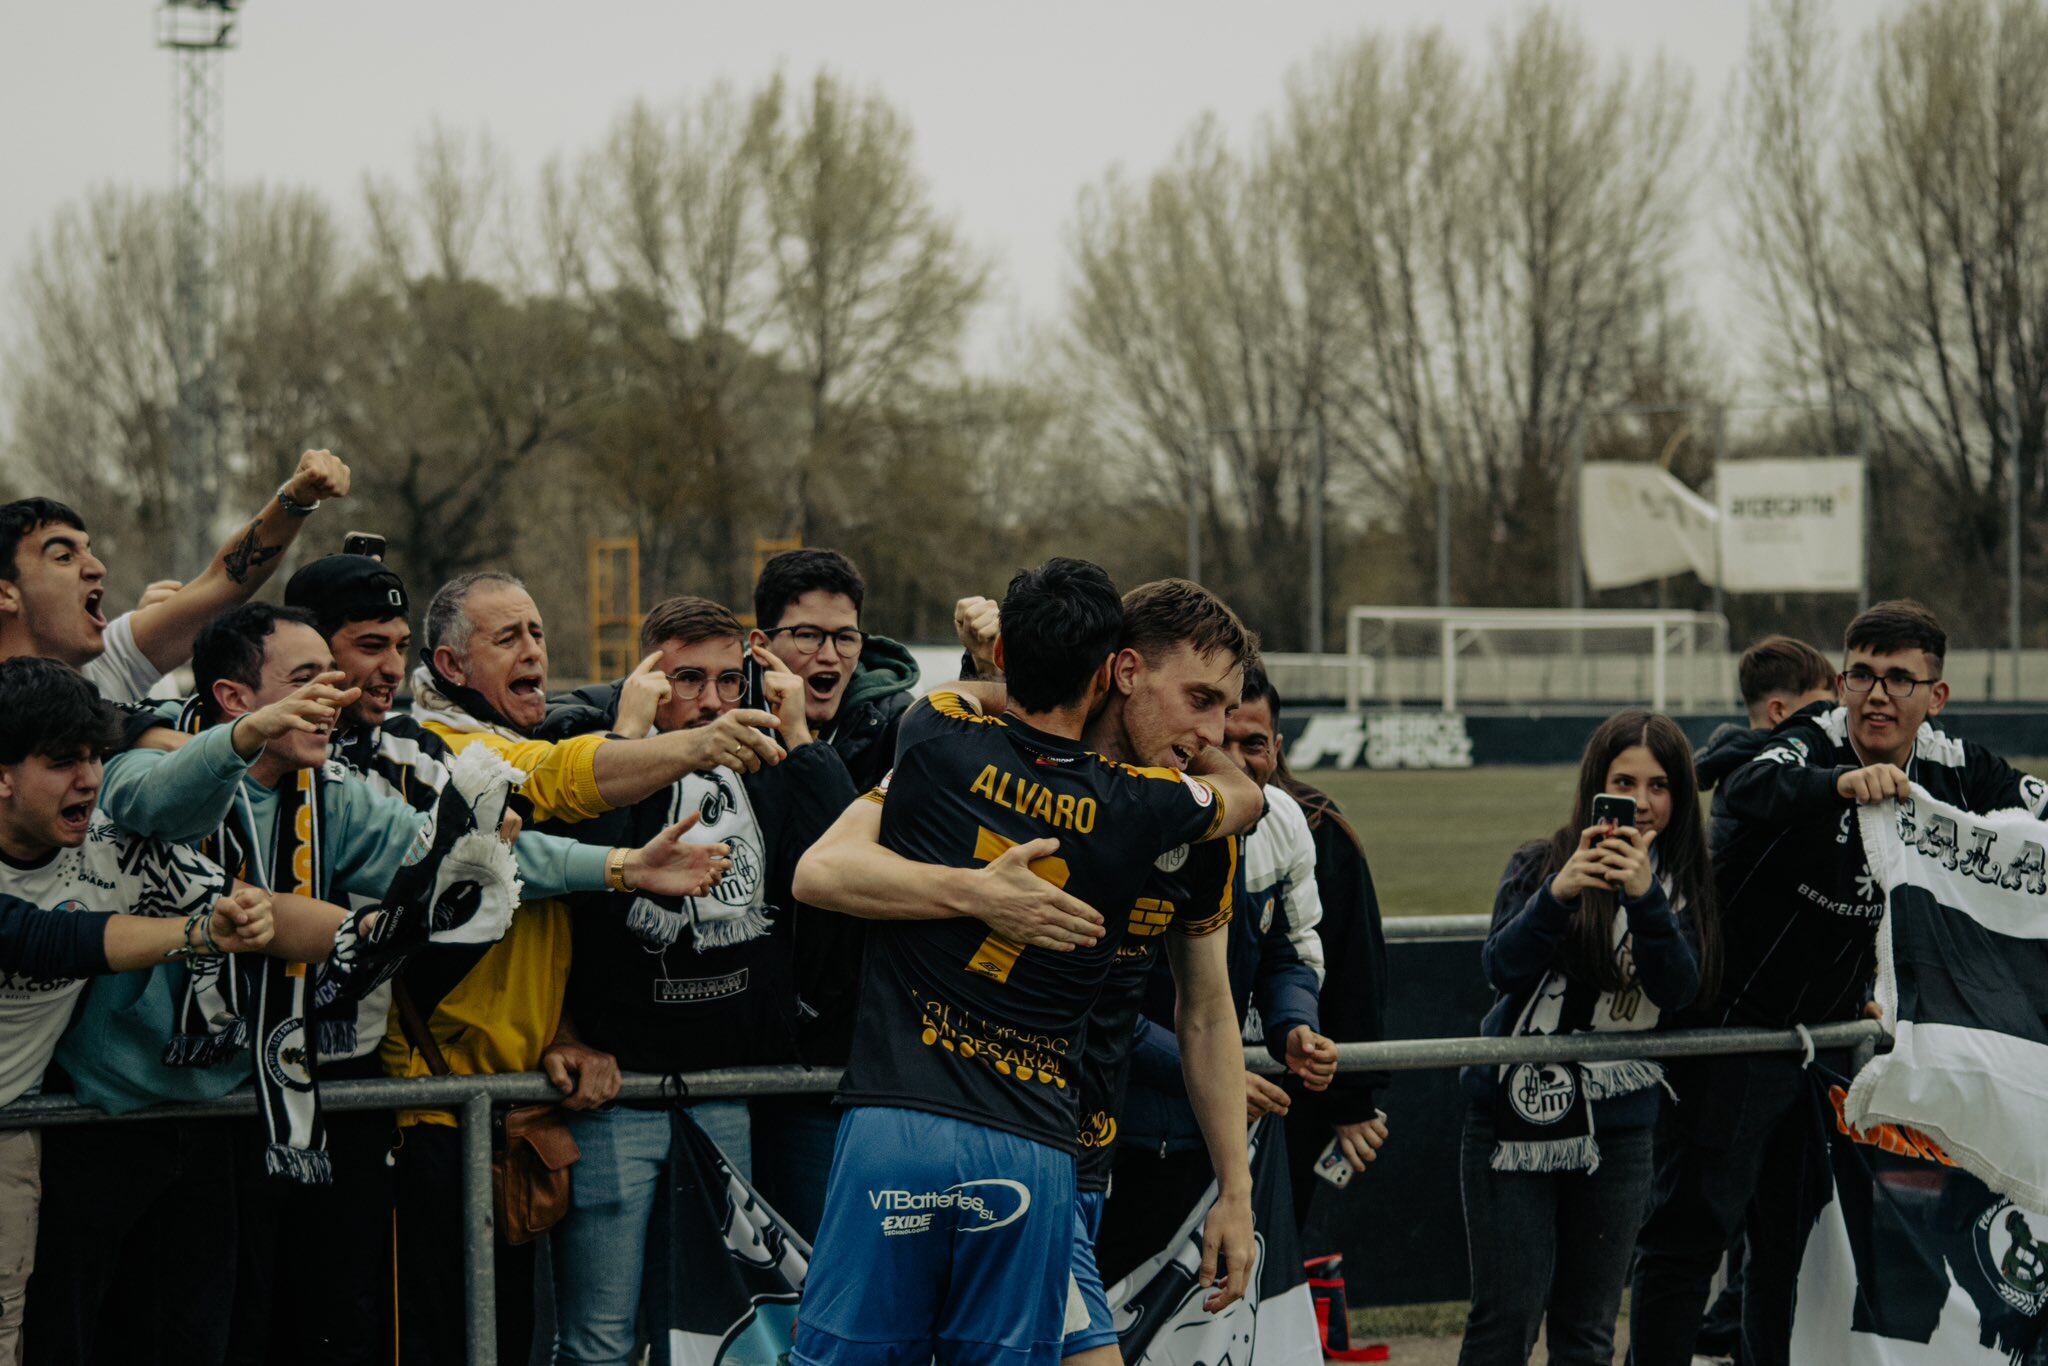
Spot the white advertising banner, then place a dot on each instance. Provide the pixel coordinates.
(1638, 523)
(1792, 526)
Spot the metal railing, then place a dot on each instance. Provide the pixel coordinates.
(474, 1098)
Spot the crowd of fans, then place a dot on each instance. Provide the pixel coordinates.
(190, 891)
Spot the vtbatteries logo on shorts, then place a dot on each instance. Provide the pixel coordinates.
(976, 1206)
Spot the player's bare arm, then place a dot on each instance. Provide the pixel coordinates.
(165, 630)
(1212, 1063)
(848, 870)
(1244, 801)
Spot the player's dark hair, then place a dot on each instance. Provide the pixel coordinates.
(687, 620)
(51, 709)
(231, 646)
(1901, 624)
(26, 515)
(1169, 612)
(1781, 665)
(1681, 852)
(1258, 683)
(1060, 622)
(793, 573)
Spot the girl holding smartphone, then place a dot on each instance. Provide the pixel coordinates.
(1606, 926)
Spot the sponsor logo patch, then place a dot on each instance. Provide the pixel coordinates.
(976, 1206)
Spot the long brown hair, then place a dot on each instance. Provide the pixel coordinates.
(1681, 851)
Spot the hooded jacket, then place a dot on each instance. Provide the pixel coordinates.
(787, 996)
(1727, 749)
(864, 731)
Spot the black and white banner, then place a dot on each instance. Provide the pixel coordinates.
(1158, 1307)
(1962, 977)
(1910, 1260)
(731, 1271)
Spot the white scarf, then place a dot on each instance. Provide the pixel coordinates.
(735, 910)
(431, 706)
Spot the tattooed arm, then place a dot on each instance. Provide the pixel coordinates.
(165, 630)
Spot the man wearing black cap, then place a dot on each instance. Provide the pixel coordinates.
(362, 609)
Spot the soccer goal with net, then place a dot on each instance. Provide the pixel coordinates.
(1524, 656)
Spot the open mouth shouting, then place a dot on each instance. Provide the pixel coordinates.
(74, 819)
(93, 614)
(527, 687)
(1182, 757)
(822, 684)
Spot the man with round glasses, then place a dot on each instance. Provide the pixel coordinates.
(856, 686)
(679, 985)
(1800, 912)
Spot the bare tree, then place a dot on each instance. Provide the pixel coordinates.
(872, 286)
(1896, 220)
(1504, 237)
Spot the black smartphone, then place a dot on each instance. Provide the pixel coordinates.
(1611, 810)
(363, 543)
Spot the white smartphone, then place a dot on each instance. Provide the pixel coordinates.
(1334, 1167)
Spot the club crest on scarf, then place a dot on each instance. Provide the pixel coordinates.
(2012, 1255)
(733, 912)
(1542, 1092)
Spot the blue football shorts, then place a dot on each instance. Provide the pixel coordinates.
(941, 1239)
(1089, 1323)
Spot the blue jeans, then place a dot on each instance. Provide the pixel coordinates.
(599, 1249)
(793, 1140)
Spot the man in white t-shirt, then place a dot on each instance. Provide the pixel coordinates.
(52, 587)
(58, 853)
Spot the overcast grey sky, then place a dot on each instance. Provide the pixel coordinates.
(1016, 105)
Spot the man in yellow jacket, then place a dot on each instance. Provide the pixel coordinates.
(485, 682)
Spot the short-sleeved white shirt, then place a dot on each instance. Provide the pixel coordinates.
(112, 871)
(122, 673)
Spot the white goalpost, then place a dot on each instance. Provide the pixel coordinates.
(1533, 655)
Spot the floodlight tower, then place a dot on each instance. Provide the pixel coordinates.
(197, 33)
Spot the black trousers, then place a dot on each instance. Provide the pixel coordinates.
(316, 1260)
(1549, 1250)
(136, 1245)
(432, 1286)
(1149, 1196)
(1744, 1137)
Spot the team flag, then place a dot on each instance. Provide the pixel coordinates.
(1158, 1307)
(730, 1271)
(1962, 977)
(1911, 1260)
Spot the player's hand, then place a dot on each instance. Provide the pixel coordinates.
(1228, 1248)
(320, 475)
(586, 1077)
(1262, 1097)
(314, 708)
(641, 697)
(978, 623)
(1361, 1142)
(1877, 783)
(1311, 1057)
(1022, 907)
(785, 696)
(163, 590)
(1625, 860)
(735, 741)
(668, 867)
(243, 922)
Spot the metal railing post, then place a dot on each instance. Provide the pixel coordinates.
(479, 1250)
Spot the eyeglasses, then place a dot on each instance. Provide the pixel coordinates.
(808, 640)
(689, 684)
(1862, 680)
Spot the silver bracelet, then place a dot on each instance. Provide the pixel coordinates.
(293, 505)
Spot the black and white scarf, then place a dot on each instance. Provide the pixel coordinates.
(734, 911)
(1543, 1111)
(458, 884)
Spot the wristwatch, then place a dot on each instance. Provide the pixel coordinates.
(293, 505)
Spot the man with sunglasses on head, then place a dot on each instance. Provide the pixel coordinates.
(1800, 913)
